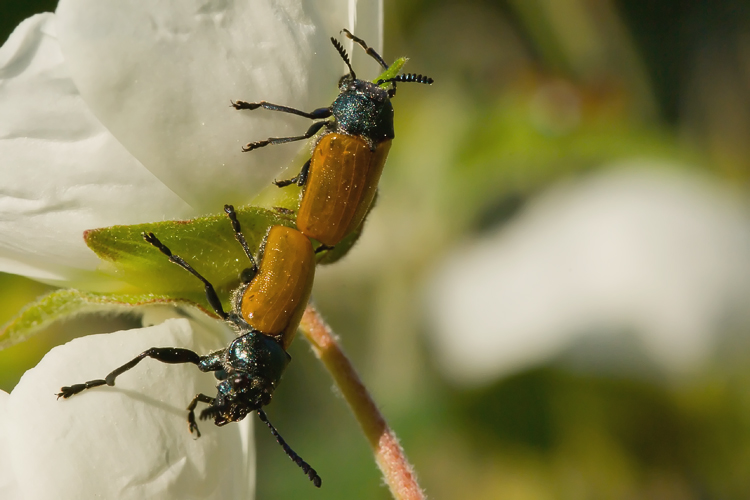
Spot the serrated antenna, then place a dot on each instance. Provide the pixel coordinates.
(408, 78)
(344, 56)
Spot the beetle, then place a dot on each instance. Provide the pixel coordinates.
(340, 180)
(267, 309)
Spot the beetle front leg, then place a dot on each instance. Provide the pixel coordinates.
(317, 114)
(229, 210)
(171, 355)
(202, 398)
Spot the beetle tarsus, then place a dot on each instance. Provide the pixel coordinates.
(68, 391)
(287, 182)
(245, 105)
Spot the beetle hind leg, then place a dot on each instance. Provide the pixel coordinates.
(300, 179)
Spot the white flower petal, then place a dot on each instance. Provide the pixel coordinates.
(61, 171)
(129, 441)
(160, 76)
(662, 254)
(9, 489)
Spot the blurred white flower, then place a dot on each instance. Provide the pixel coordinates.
(660, 253)
(127, 441)
(117, 112)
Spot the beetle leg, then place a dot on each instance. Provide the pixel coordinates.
(314, 115)
(192, 425)
(300, 179)
(302, 176)
(287, 182)
(211, 296)
(229, 210)
(171, 355)
(323, 248)
(370, 51)
(314, 128)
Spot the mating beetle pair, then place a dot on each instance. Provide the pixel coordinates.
(339, 182)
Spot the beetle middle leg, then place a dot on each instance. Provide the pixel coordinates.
(314, 128)
(211, 296)
(300, 179)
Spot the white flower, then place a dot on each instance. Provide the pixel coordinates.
(127, 441)
(117, 112)
(643, 250)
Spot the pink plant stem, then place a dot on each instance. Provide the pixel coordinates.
(388, 452)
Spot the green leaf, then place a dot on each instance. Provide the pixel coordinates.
(206, 243)
(66, 304)
(392, 71)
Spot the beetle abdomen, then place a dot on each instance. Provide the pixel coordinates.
(341, 185)
(275, 299)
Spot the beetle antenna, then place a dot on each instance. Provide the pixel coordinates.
(314, 477)
(344, 56)
(409, 78)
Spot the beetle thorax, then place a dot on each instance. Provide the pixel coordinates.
(364, 109)
(253, 366)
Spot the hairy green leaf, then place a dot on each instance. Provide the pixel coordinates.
(67, 304)
(205, 243)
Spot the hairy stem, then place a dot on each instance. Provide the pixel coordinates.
(389, 455)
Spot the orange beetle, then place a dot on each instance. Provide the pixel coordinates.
(274, 300)
(267, 310)
(340, 180)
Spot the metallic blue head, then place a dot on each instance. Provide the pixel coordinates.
(253, 365)
(364, 109)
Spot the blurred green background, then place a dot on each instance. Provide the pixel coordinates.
(527, 94)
